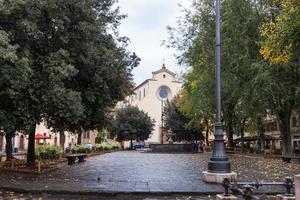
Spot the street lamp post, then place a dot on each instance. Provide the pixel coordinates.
(219, 162)
(162, 121)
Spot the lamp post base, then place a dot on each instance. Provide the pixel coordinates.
(219, 165)
(210, 177)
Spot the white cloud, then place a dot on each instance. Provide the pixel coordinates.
(146, 25)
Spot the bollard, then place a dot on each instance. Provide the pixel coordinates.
(39, 166)
(248, 193)
(297, 186)
(226, 195)
(288, 184)
(226, 185)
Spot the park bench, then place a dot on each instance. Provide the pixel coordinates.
(287, 158)
(72, 158)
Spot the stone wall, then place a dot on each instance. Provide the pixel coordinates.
(168, 148)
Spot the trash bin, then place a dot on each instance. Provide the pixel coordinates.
(68, 150)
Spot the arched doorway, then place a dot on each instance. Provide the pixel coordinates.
(21, 146)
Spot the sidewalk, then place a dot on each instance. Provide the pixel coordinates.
(19, 155)
(131, 172)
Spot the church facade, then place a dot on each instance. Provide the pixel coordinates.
(151, 96)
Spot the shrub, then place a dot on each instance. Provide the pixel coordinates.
(80, 149)
(107, 146)
(268, 151)
(99, 147)
(47, 152)
(101, 136)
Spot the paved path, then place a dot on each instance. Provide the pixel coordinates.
(9, 195)
(131, 171)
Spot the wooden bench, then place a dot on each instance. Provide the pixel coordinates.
(288, 158)
(72, 158)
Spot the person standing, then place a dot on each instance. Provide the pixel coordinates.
(201, 147)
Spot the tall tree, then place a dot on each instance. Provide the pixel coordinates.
(280, 84)
(14, 78)
(181, 125)
(280, 47)
(132, 124)
(240, 34)
(79, 69)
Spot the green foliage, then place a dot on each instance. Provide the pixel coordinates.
(80, 149)
(281, 32)
(250, 86)
(101, 136)
(178, 123)
(268, 151)
(47, 152)
(107, 146)
(63, 62)
(132, 124)
(240, 36)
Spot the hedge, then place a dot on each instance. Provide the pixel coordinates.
(81, 149)
(47, 152)
(107, 146)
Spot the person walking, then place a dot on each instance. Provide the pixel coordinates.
(201, 147)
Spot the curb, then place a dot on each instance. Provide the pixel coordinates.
(116, 193)
(105, 193)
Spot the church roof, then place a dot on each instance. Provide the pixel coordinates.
(143, 83)
(164, 69)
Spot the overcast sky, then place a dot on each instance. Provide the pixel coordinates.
(146, 25)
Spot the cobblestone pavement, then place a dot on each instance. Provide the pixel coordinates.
(130, 171)
(7, 195)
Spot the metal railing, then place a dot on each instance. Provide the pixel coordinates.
(246, 189)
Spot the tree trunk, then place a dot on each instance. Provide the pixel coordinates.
(8, 146)
(207, 133)
(242, 130)
(261, 132)
(30, 150)
(131, 144)
(62, 139)
(229, 131)
(79, 138)
(242, 141)
(285, 132)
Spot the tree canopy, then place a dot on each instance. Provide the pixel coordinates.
(75, 64)
(282, 32)
(180, 124)
(250, 85)
(131, 124)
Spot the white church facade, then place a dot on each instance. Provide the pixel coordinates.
(151, 95)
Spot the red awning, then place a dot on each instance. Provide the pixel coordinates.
(40, 136)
